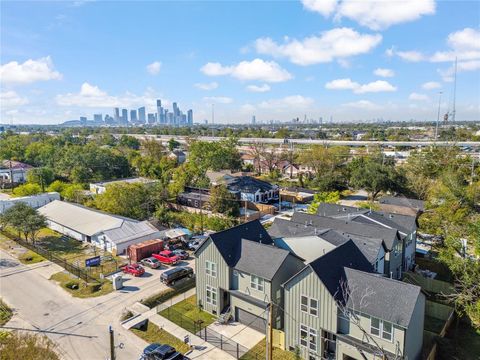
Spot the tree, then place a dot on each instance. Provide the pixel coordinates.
(24, 219)
(332, 197)
(129, 200)
(173, 144)
(27, 190)
(223, 201)
(374, 174)
(257, 150)
(129, 142)
(43, 176)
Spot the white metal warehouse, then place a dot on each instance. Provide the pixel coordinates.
(110, 232)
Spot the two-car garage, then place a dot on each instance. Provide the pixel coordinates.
(251, 320)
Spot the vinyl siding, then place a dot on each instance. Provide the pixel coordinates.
(307, 283)
(414, 338)
(210, 252)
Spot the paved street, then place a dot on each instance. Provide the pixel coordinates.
(78, 326)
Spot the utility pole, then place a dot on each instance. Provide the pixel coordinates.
(270, 332)
(112, 343)
(438, 115)
(267, 337)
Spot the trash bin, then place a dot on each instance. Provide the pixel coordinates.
(117, 281)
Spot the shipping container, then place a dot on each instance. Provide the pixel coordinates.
(144, 249)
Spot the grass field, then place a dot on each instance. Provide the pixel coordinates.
(79, 288)
(258, 353)
(187, 310)
(153, 334)
(30, 257)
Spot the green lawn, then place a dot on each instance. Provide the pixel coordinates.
(186, 312)
(30, 257)
(258, 352)
(79, 288)
(153, 334)
(5, 313)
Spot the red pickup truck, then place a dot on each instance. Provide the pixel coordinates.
(166, 257)
(134, 269)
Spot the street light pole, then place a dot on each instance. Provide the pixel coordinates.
(112, 343)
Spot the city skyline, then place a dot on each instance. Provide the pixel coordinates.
(289, 60)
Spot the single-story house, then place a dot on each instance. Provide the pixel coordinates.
(110, 232)
(101, 187)
(35, 201)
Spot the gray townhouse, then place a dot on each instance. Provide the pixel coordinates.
(240, 271)
(337, 308)
(367, 236)
(405, 224)
(310, 243)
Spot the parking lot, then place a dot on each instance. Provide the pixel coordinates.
(150, 281)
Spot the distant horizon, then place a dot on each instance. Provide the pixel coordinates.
(314, 58)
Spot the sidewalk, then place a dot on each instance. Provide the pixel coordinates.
(203, 350)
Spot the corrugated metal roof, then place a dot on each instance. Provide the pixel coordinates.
(130, 230)
(79, 218)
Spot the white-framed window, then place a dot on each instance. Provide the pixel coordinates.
(211, 295)
(303, 335)
(308, 338)
(309, 305)
(211, 268)
(304, 303)
(313, 307)
(256, 282)
(382, 329)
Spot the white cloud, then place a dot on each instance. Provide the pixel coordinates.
(430, 85)
(218, 99)
(384, 72)
(154, 68)
(464, 46)
(207, 86)
(324, 7)
(288, 102)
(257, 69)
(375, 14)
(372, 87)
(10, 99)
(92, 96)
(259, 89)
(411, 56)
(363, 105)
(381, 14)
(329, 45)
(418, 97)
(30, 71)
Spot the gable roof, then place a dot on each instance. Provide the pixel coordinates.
(403, 201)
(330, 268)
(404, 223)
(249, 184)
(366, 230)
(130, 230)
(229, 242)
(260, 259)
(381, 297)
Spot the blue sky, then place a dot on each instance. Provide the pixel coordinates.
(277, 60)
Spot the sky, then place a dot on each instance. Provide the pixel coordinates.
(342, 60)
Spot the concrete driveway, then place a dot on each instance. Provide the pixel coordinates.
(78, 326)
(239, 333)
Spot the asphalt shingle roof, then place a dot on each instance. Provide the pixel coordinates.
(366, 230)
(403, 223)
(381, 297)
(330, 268)
(248, 184)
(229, 242)
(403, 201)
(259, 259)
